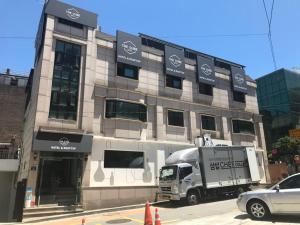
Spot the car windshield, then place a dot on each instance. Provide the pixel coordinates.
(168, 173)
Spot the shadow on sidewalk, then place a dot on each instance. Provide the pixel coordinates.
(179, 204)
(274, 218)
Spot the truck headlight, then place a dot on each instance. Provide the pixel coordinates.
(175, 189)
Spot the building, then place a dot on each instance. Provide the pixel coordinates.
(106, 110)
(278, 96)
(12, 107)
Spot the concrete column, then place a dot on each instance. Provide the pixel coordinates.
(193, 126)
(160, 126)
(226, 129)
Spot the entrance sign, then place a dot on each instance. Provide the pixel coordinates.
(206, 70)
(238, 79)
(174, 61)
(129, 49)
(60, 142)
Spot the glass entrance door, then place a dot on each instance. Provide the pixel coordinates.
(59, 180)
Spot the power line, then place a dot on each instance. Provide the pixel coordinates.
(269, 20)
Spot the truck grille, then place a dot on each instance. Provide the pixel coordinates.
(166, 189)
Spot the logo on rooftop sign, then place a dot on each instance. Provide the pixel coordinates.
(175, 60)
(239, 78)
(73, 13)
(129, 47)
(206, 69)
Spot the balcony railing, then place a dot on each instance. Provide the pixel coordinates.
(6, 153)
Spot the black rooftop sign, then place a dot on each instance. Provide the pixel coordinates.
(206, 70)
(238, 79)
(72, 13)
(129, 49)
(174, 61)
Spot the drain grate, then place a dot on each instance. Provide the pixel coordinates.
(117, 221)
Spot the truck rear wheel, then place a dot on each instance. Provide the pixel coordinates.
(192, 198)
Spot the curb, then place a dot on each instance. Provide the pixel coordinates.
(89, 212)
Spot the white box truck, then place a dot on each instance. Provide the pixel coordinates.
(197, 173)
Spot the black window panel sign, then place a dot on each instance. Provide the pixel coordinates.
(61, 142)
(238, 79)
(206, 70)
(174, 61)
(71, 13)
(129, 49)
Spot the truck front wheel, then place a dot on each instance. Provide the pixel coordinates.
(192, 197)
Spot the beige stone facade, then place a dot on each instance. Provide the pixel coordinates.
(106, 187)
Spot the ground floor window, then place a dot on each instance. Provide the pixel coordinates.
(175, 118)
(208, 122)
(123, 159)
(243, 127)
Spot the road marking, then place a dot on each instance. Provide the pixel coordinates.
(169, 221)
(135, 220)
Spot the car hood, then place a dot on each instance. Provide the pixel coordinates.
(259, 191)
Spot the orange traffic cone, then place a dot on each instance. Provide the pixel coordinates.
(157, 218)
(148, 216)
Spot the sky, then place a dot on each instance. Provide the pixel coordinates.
(234, 30)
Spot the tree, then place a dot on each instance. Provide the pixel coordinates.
(287, 148)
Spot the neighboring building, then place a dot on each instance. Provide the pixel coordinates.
(278, 96)
(12, 107)
(105, 111)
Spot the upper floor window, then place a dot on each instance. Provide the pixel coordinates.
(208, 122)
(173, 82)
(125, 110)
(243, 127)
(175, 118)
(205, 89)
(128, 71)
(64, 93)
(70, 23)
(239, 96)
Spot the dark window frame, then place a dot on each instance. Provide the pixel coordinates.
(114, 106)
(170, 111)
(120, 160)
(238, 126)
(65, 81)
(123, 67)
(70, 23)
(206, 89)
(208, 127)
(170, 79)
(239, 96)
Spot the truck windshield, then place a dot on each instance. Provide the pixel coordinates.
(168, 173)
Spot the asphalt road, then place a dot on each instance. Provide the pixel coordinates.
(223, 212)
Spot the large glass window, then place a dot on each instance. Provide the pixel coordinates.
(173, 82)
(243, 127)
(239, 96)
(205, 89)
(208, 122)
(64, 94)
(175, 118)
(123, 159)
(126, 110)
(128, 71)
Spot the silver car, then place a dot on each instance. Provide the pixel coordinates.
(282, 198)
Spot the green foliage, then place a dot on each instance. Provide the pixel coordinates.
(287, 145)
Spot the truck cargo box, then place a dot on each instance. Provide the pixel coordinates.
(227, 166)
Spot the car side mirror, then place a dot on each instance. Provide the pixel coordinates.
(277, 188)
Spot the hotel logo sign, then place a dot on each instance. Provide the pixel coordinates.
(175, 60)
(238, 79)
(129, 47)
(206, 70)
(64, 141)
(73, 13)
